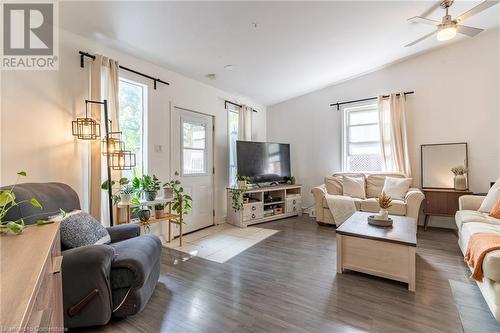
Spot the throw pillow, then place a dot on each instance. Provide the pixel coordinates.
(396, 188)
(495, 212)
(491, 198)
(79, 229)
(333, 185)
(354, 187)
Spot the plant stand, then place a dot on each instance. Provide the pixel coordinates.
(170, 217)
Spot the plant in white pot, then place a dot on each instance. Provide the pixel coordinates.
(242, 181)
(459, 180)
(168, 188)
(384, 202)
(124, 194)
(147, 185)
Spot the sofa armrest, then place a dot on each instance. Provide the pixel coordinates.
(413, 199)
(470, 202)
(318, 193)
(84, 270)
(124, 231)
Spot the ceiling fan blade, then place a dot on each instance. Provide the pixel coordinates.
(419, 19)
(421, 39)
(431, 9)
(469, 31)
(475, 10)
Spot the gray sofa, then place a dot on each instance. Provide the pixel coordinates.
(99, 281)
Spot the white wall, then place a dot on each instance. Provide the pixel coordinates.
(456, 99)
(37, 108)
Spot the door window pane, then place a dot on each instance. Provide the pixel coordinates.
(194, 153)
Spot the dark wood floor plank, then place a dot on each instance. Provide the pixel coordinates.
(288, 282)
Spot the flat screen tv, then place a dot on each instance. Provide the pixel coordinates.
(263, 161)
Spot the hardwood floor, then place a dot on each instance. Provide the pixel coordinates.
(288, 283)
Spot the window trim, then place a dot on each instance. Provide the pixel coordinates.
(344, 149)
(205, 150)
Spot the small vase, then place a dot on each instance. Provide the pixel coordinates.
(383, 214)
(460, 182)
(159, 213)
(125, 199)
(150, 195)
(168, 193)
(242, 183)
(144, 215)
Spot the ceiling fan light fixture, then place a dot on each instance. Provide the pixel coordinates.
(447, 33)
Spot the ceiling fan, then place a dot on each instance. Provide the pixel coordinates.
(447, 28)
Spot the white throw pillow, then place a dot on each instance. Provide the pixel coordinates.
(396, 188)
(491, 198)
(354, 187)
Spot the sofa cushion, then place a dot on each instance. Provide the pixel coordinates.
(375, 183)
(333, 185)
(396, 188)
(371, 205)
(357, 203)
(354, 187)
(80, 229)
(467, 216)
(491, 262)
(491, 198)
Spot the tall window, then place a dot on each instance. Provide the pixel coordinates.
(133, 96)
(361, 138)
(233, 119)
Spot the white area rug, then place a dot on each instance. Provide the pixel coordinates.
(220, 243)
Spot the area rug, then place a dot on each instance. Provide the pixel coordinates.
(472, 308)
(220, 243)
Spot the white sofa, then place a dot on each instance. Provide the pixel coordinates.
(374, 182)
(469, 221)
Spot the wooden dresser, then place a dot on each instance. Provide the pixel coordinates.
(441, 202)
(31, 282)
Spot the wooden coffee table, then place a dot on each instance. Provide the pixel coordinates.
(388, 252)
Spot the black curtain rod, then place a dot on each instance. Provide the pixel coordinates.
(88, 55)
(226, 102)
(366, 99)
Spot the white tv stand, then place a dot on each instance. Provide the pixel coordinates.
(257, 209)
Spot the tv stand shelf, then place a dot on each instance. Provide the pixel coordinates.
(287, 204)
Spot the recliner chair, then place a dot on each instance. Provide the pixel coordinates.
(99, 281)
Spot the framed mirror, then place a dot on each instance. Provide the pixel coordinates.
(437, 161)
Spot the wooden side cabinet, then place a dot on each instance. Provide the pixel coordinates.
(441, 202)
(31, 290)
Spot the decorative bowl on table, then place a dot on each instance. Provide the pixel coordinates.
(372, 219)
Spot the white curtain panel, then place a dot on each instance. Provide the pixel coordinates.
(393, 134)
(104, 80)
(245, 123)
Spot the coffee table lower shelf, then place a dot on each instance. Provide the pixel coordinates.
(380, 258)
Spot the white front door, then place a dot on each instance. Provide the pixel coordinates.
(192, 164)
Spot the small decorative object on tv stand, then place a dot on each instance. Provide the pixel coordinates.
(252, 212)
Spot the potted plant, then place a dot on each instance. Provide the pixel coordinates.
(236, 198)
(168, 188)
(160, 211)
(143, 212)
(384, 201)
(182, 201)
(290, 180)
(147, 185)
(459, 180)
(8, 201)
(242, 181)
(125, 192)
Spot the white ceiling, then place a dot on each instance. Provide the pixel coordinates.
(297, 47)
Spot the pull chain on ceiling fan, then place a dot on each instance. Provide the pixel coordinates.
(448, 27)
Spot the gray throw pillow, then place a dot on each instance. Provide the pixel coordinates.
(80, 229)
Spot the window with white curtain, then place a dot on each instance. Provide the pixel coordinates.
(361, 149)
(233, 120)
(133, 97)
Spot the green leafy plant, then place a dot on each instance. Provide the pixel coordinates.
(8, 201)
(143, 211)
(147, 185)
(182, 201)
(171, 184)
(242, 178)
(236, 198)
(125, 188)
